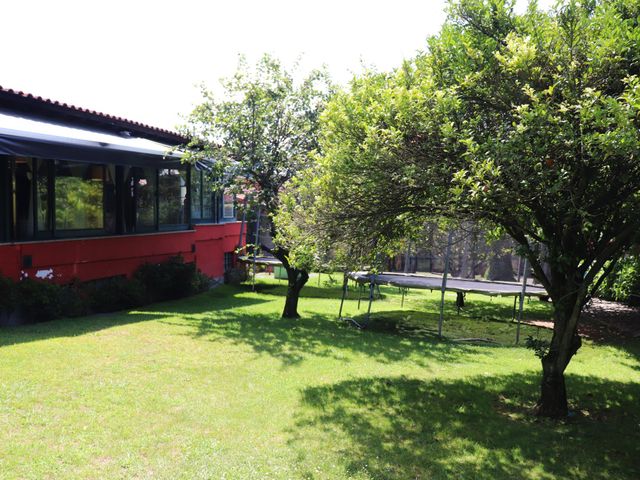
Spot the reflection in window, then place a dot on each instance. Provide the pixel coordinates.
(207, 197)
(43, 211)
(228, 210)
(110, 199)
(79, 196)
(196, 195)
(202, 196)
(23, 198)
(172, 192)
(144, 188)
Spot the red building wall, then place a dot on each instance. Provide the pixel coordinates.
(101, 257)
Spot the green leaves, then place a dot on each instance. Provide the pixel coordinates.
(262, 131)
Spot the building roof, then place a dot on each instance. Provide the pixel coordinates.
(15, 102)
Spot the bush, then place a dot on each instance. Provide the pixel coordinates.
(623, 281)
(39, 301)
(171, 280)
(74, 299)
(236, 275)
(116, 293)
(7, 294)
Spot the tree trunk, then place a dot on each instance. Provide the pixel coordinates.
(296, 280)
(553, 393)
(564, 345)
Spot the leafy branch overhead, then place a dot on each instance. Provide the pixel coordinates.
(529, 121)
(262, 131)
(256, 138)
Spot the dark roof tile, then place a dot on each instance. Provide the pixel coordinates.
(83, 116)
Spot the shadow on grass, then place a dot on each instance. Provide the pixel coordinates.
(72, 327)
(309, 291)
(479, 428)
(293, 341)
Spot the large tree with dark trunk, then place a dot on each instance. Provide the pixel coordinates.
(259, 133)
(529, 121)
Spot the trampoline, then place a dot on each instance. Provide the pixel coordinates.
(405, 280)
(274, 262)
(462, 286)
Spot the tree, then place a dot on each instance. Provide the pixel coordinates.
(260, 135)
(531, 122)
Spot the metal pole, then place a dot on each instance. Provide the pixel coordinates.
(519, 265)
(524, 290)
(244, 219)
(444, 282)
(406, 258)
(371, 289)
(255, 248)
(345, 284)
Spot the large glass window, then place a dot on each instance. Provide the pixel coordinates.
(144, 191)
(196, 195)
(79, 196)
(110, 199)
(41, 198)
(207, 197)
(172, 195)
(43, 206)
(22, 201)
(4, 198)
(228, 207)
(202, 195)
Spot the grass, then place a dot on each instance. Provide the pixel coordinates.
(218, 386)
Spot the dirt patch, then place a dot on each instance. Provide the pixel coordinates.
(603, 320)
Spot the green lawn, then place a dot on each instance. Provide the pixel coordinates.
(218, 386)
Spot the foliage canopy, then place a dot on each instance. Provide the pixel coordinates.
(528, 121)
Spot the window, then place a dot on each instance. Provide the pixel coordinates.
(172, 193)
(202, 194)
(43, 205)
(4, 198)
(196, 195)
(23, 198)
(143, 190)
(41, 198)
(207, 197)
(79, 196)
(228, 208)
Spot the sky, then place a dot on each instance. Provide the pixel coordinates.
(144, 60)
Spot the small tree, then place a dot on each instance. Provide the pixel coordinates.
(260, 135)
(529, 121)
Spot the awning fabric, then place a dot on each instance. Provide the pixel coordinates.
(78, 150)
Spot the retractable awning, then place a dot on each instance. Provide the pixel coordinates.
(29, 138)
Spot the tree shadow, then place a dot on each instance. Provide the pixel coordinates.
(295, 340)
(478, 428)
(76, 326)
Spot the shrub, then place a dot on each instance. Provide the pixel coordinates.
(74, 299)
(39, 301)
(171, 279)
(236, 275)
(201, 282)
(623, 281)
(7, 294)
(116, 293)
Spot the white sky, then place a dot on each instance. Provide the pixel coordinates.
(143, 59)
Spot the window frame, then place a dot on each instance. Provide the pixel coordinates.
(44, 170)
